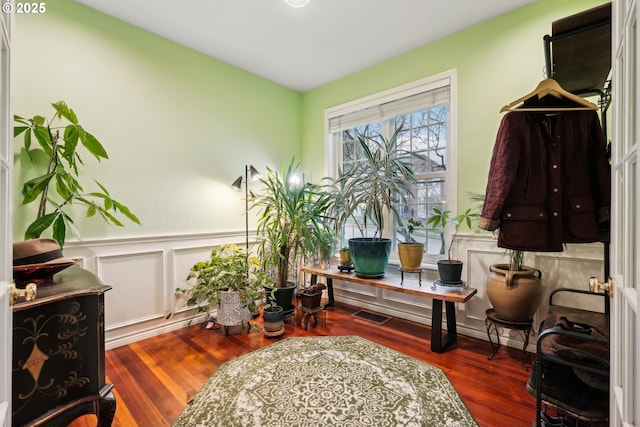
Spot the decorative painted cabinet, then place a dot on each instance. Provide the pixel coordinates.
(58, 353)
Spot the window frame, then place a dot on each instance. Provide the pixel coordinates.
(334, 148)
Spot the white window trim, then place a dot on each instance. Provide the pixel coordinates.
(432, 82)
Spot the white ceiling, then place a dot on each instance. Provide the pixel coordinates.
(303, 48)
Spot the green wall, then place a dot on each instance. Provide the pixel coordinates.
(179, 126)
(496, 61)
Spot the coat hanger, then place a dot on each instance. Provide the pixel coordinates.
(550, 87)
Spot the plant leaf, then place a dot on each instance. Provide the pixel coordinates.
(66, 112)
(59, 230)
(92, 144)
(17, 130)
(38, 226)
(32, 188)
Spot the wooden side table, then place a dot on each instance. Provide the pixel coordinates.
(495, 324)
(319, 316)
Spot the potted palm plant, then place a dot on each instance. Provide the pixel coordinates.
(450, 270)
(368, 191)
(227, 276)
(290, 224)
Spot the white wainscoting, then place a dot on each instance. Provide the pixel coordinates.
(571, 268)
(144, 273)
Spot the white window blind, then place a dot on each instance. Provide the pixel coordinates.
(386, 110)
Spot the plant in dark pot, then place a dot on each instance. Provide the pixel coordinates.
(272, 316)
(371, 188)
(450, 270)
(228, 275)
(290, 222)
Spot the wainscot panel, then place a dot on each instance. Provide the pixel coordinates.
(145, 272)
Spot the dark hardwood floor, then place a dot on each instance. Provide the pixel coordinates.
(156, 377)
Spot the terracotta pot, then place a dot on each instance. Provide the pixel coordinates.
(410, 255)
(514, 295)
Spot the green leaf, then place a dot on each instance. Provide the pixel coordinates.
(91, 211)
(21, 120)
(66, 112)
(62, 188)
(59, 230)
(71, 136)
(17, 130)
(38, 120)
(32, 188)
(43, 137)
(27, 140)
(103, 188)
(92, 144)
(37, 227)
(126, 212)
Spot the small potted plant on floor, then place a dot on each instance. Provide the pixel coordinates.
(272, 316)
(450, 270)
(311, 296)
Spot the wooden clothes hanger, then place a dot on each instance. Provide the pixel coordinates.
(549, 87)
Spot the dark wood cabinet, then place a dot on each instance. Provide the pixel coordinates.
(58, 353)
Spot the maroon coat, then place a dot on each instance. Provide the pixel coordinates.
(549, 181)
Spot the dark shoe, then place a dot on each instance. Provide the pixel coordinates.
(549, 421)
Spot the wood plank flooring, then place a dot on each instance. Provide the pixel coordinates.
(156, 377)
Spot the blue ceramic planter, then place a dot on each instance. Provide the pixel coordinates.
(370, 256)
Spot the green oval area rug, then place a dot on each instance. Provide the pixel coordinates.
(326, 381)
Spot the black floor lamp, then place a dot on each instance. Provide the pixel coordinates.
(237, 184)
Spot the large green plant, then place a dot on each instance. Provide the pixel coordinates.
(59, 139)
(227, 269)
(380, 180)
(291, 221)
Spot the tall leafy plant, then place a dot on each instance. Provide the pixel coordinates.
(290, 221)
(376, 184)
(59, 139)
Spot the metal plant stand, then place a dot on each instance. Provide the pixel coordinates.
(495, 324)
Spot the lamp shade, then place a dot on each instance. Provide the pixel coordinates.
(237, 184)
(255, 175)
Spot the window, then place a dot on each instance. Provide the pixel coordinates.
(425, 111)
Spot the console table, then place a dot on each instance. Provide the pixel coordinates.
(58, 353)
(439, 343)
